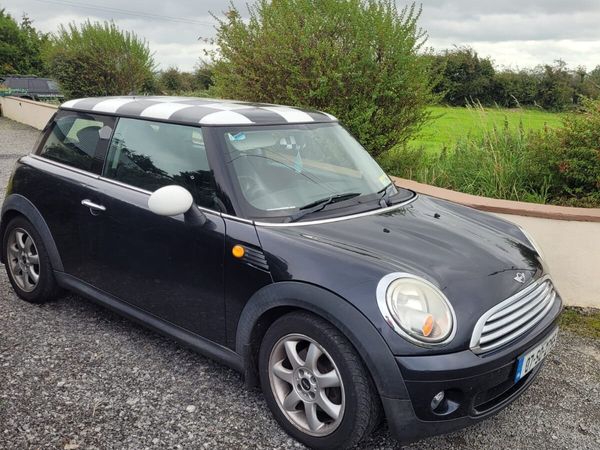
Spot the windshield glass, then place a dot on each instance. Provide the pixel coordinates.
(283, 170)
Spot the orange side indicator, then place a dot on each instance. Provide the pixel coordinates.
(427, 326)
(238, 251)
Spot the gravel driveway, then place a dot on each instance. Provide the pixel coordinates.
(73, 375)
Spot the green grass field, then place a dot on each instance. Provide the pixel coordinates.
(450, 124)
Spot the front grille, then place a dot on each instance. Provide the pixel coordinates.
(514, 316)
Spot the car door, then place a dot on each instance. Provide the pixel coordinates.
(63, 172)
(165, 266)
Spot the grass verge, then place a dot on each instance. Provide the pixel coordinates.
(452, 124)
(582, 321)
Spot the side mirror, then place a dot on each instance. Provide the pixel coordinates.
(170, 201)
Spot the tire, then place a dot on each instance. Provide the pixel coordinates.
(293, 389)
(32, 278)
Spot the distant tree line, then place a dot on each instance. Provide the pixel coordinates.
(175, 81)
(465, 77)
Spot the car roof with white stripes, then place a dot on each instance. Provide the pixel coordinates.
(194, 110)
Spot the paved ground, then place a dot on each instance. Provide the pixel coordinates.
(73, 375)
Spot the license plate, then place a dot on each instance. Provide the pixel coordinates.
(527, 362)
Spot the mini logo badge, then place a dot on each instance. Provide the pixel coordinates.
(520, 277)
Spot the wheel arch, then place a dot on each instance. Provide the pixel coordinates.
(275, 300)
(18, 205)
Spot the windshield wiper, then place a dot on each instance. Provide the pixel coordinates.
(318, 205)
(384, 200)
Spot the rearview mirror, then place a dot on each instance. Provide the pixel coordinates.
(170, 201)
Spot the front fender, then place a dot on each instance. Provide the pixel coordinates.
(351, 322)
(21, 205)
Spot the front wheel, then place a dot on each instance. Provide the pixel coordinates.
(315, 383)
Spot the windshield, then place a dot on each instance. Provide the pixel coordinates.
(290, 169)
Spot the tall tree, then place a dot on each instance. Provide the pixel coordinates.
(356, 59)
(20, 46)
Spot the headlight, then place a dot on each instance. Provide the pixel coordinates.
(416, 309)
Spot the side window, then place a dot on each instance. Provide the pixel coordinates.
(74, 139)
(150, 155)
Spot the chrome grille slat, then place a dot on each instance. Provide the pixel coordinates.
(514, 325)
(494, 324)
(520, 331)
(514, 316)
(519, 302)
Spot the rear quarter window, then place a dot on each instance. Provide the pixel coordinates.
(75, 140)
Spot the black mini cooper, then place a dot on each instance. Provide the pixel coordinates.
(267, 238)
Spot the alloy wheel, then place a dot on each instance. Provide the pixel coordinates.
(23, 259)
(307, 385)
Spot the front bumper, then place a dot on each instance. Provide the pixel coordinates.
(477, 386)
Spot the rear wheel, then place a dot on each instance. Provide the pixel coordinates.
(315, 383)
(27, 262)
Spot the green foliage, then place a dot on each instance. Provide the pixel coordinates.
(356, 59)
(174, 81)
(516, 89)
(464, 76)
(96, 59)
(451, 124)
(555, 91)
(495, 163)
(560, 165)
(572, 156)
(20, 46)
(583, 321)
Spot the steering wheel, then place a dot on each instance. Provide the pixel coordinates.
(251, 187)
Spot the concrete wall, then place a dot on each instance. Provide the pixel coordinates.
(572, 252)
(568, 237)
(29, 112)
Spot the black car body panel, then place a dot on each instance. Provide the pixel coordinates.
(420, 238)
(177, 274)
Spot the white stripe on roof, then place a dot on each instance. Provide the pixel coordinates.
(71, 103)
(225, 118)
(111, 105)
(226, 106)
(163, 110)
(290, 114)
(166, 99)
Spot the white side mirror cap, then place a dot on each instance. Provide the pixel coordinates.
(170, 201)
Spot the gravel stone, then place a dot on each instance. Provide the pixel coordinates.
(74, 375)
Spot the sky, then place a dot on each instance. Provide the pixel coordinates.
(514, 33)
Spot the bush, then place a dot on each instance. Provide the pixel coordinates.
(464, 77)
(499, 163)
(516, 89)
(560, 166)
(571, 157)
(97, 59)
(176, 82)
(356, 59)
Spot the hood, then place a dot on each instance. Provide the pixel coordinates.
(473, 257)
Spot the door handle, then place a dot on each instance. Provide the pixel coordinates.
(93, 206)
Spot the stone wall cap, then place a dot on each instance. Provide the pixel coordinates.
(503, 206)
